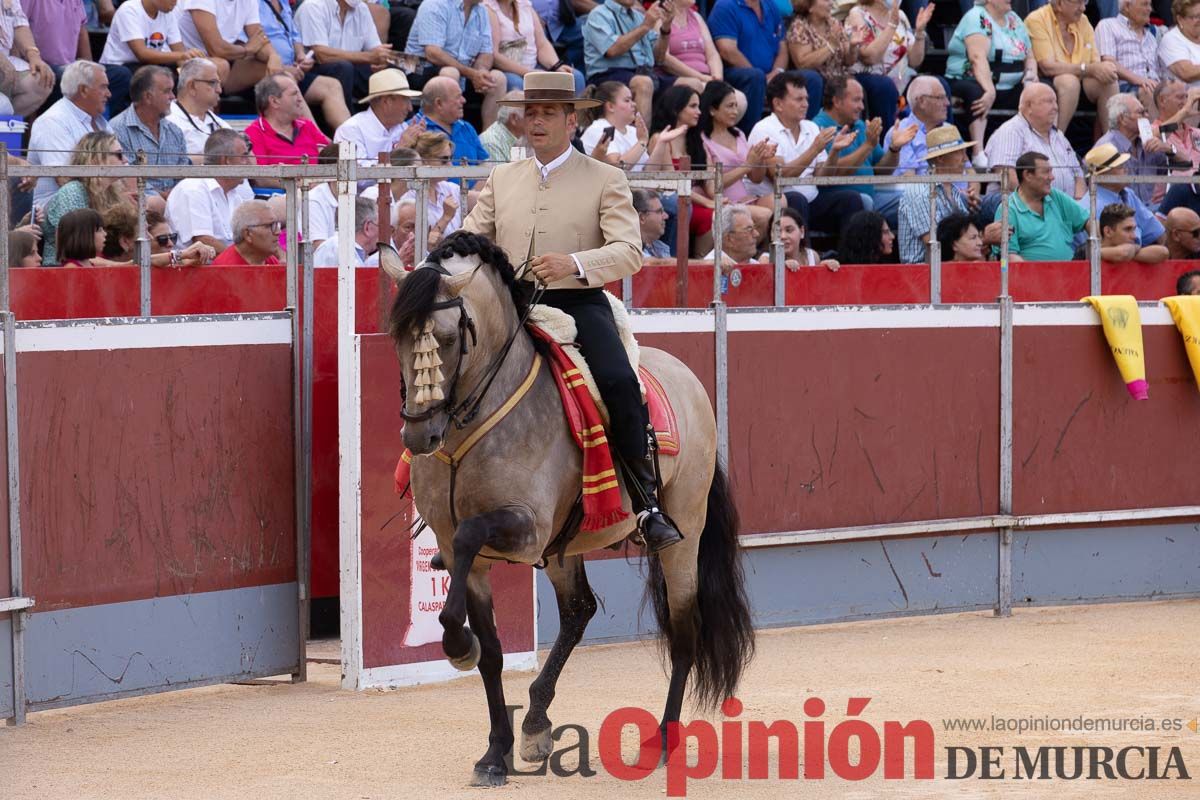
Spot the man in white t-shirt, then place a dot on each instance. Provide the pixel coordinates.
(230, 33)
(146, 32)
(201, 209)
(30, 79)
(343, 30)
(197, 93)
(801, 150)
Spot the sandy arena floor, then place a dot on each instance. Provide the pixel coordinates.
(314, 740)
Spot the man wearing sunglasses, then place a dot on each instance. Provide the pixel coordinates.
(1183, 234)
(255, 237)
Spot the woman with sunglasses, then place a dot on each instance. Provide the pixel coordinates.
(120, 226)
(98, 193)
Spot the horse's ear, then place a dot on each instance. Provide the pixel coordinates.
(455, 283)
(391, 263)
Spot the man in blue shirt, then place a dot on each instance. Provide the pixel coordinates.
(622, 43)
(1105, 159)
(750, 38)
(564, 25)
(843, 109)
(442, 104)
(453, 38)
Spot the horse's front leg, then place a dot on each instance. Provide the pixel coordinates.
(492, 769)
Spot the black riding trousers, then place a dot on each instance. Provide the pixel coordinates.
(605, 354)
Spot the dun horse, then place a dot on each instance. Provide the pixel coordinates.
(513, 493)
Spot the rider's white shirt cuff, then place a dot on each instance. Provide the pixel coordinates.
(578, 267)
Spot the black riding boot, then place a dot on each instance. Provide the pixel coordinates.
(656, 528)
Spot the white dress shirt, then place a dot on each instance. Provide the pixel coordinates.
(369, 136)
(320, 23)
(196, 130)
(322, 213)
(789, 148)
(544, 170)
(200, 207)
(327, 255)
(232, 18)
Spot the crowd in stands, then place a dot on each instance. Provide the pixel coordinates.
(1039, 94)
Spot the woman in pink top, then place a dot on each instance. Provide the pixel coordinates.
(691, 55)
(744, 165)
(519, 43)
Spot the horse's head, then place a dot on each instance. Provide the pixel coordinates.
(447, 322)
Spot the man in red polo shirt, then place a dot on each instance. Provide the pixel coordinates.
(282, 133)
(255, 237)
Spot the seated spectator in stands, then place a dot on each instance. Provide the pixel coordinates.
(628, 143)
(739, 243)
(1033, 130)
(1183, 234)
(1145, 158)
(819, 47)
(564, 25)
(400, 157)
(1043, 219)
(652, 219)
(56, 131)
(1179, 50)
(520, 45)
(990, 57)
(60, 31)
(800, 149)
(453, 39)
(1180, 195)
(80, 236)
(946, 156)
(255, 237)
(843, 109)
(750, 38)
(404, 226)
(443, 201)
(146, 32)
(745, 165)
(120, 226)
(1106, 159)
(1130, 43)
(507, 132)
(929, 105)
(1119, 238)
(144, 127)
(323, 202)
(99, 193)
(230, 34)
(691, 52)
(1188, 283)
(796, 252)
(22, 250)
(194, 109)
(890, 49)
(200, 209)
(366, 238)
(1178, 110)
(1064, 45)
(282, 134)
(340, 33)
(326, 84)
(622, 43)
(866, 239)
(959, 239)
(381, 127)
(674, 135)
(25, 78)
(441, 111)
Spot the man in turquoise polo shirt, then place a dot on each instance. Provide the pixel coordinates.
(1043, 220)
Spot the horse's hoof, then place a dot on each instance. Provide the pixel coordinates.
(470, 660)
(489, 777)
(536, 747)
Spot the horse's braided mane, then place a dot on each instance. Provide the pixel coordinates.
(419, 291)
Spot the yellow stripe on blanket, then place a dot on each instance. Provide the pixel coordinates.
(1185, 310)
(1123, 330)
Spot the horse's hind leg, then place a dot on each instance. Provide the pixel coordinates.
(492, 769)
(576, 606)
(678, 589)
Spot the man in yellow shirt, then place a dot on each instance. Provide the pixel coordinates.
(1064, 45)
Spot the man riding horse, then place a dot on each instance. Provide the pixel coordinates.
(529, 209)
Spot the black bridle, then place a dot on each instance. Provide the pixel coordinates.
(463, 413)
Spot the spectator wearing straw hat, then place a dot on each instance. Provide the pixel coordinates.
(1106, 159)
(1044, 220)
(944, 156)
(380, 128)
(1119, 238)
(144, 127)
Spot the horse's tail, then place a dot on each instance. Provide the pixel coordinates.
(722, 641)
